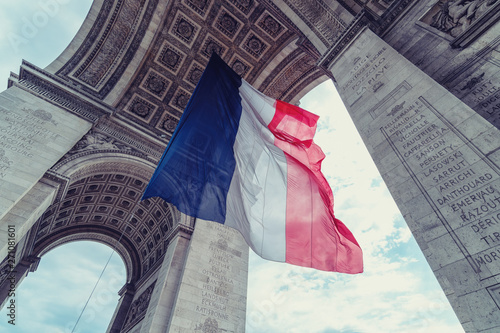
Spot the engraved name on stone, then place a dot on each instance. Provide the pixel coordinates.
(366, 73)
(219, 282)
(459, 182)
(485, 98)
(19, 133)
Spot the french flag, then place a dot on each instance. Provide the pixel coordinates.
(248, 161)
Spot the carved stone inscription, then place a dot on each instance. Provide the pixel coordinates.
(439, 160)
(213, 289)
(220, 283)
(366, 74)
(34, 135)
(484, 97)
(460, 183)
(19, 132)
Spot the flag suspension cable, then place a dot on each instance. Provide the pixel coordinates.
(105, 266)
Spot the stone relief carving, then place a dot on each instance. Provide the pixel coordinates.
(56, 94)
(254, 45)
(42, 115)
(123, 28)
(325, 23)
(155, 84)
(244, 5)
(240, 67)
(184, 29)
(170, 57)
(293, 73)
(141, 108)
(270, 25)
(209, 326)
(139, 307)
(199, 6)
(455, 16)
(94, 140)
(473, 82)
(169, 123)
(227, 24)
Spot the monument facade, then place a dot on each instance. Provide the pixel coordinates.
(81, 137)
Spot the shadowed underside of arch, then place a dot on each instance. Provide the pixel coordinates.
(144, 57)
(106, 208)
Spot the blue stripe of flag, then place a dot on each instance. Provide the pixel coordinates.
(196, 168)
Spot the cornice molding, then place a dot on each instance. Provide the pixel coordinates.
(359, 23)
(50, 88)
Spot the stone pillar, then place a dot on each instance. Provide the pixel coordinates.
(212, 293)
(116, 323)
(440, 160)
(202, 283)
(34, 135)
(166, 287)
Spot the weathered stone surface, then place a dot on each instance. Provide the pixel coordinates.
(443, 146)
(34, 134)
(213, 288)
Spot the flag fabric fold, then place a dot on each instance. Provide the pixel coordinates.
(248, 161)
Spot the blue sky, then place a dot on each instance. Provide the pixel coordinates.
(396, 293)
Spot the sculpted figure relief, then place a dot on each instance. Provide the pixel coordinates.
(455, 16)
(94, 140)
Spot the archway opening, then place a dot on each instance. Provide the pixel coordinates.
(62, 284)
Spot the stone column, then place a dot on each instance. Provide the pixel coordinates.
(127, 295)
(34, 135)
(440, 160)
(167, 283)
(212, 293)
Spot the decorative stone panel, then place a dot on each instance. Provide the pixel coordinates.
(118, 35)
(245, 6)
(155, 84)
(295, 72)
(241, 67)
(194, 73)
(141, 108)
(227, 24)
(184, 29)
(210, 45)
(270, 25)
(320, 18)
(138, 308)
(168, 123)
(180, 99)
(254, 45)
(170, 57)
(200, 7)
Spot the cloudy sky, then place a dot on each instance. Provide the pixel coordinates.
(396, 293)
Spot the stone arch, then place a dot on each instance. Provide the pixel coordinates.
(102, 203)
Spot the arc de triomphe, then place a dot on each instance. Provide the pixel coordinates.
(80, 138)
